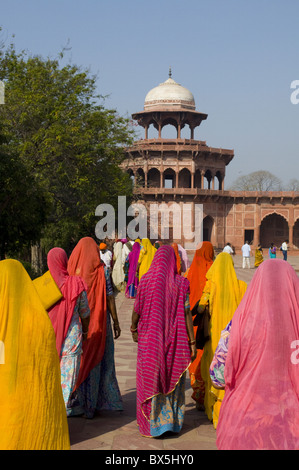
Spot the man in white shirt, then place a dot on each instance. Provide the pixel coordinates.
(228, 249)
(106, 255)
(246, 255)
(284, 249)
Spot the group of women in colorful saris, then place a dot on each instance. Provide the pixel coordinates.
(239, 344)
(132, 260)
(65, 365)
(243, 367)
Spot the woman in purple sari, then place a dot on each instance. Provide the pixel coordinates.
(133, 280)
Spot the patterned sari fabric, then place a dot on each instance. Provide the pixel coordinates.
(32, 410)
(163, 349)
(133, 281)
(223, 292)
(260, 410)
(85, 262)
(202, 261)
(71, 351)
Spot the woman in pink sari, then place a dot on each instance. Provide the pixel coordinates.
(70, 320)
(260, 410)
(133, 280)
(162, 326)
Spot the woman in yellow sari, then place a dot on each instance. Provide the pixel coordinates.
(258, 256)
(32, 410)
(222, 294)
(146, 256)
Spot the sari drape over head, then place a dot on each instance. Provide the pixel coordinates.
(71, 287)
(163, 349)
(202, 261)
(133, 262)
(85, 262)
(260, 409)
(32, 410)
(224, 292)
(146, 256)
(178, 258)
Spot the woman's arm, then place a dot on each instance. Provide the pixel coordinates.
(84, 314)
(190, 333)
(113, 313)
(134, 324)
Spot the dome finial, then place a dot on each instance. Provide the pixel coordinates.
(170, 73)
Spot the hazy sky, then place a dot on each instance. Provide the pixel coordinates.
(237, 57)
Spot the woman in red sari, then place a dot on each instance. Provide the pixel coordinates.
(97, 386)
(202, 261)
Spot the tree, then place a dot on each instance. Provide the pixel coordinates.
(69, 143)
(293, 185)
(23, 205)
(257, 181)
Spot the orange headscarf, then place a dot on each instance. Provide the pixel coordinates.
(178, 258)
(202, 261)
(85, 262)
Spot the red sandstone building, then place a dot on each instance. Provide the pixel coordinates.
(189, 171)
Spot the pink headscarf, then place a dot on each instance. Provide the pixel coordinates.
(70, 287)
(163, 349)
(260, 409)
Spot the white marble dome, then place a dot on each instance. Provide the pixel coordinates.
(169, 95)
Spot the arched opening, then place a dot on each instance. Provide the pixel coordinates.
(208, 179)
(274, 229)
(140, 178)
(296, 234)
(169, 129)
(131, 175)
(184, 178)
(153, 178)
(169, 178)
(208, 223)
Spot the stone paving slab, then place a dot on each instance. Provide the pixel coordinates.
(118, 430)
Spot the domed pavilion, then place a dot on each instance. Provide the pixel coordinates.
(188, 171)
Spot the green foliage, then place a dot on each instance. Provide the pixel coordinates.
(68, 144)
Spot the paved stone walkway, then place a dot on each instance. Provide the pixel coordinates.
(118, 430)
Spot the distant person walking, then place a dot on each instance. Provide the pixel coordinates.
(272, 251)
(258, 256)
(246, 250)
(284, 249)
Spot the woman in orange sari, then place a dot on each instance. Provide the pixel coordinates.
(178, 258)
(97, 386)
(196, 275)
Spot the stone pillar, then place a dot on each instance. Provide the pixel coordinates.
(291, 233)
(202, 179)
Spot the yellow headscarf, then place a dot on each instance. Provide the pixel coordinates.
(224, 292)
(32, 410)
(146, 256)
